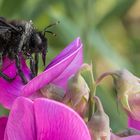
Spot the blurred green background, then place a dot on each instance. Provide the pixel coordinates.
(109, 29)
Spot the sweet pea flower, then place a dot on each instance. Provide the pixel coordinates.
(57, 72)
(43, 119)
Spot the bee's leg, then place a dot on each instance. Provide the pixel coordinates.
(44, 55)
(1, 59)
(4, 76)
(32, 67)
(20, 72)
(7, 78)
(36, 63)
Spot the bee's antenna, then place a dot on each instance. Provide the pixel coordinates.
(50, 33)
(46, 28)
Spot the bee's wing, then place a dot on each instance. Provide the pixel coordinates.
(2, 27)
(5, 35)
(8, 25)
(3, 30)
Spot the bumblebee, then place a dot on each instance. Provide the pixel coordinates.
(20, 39)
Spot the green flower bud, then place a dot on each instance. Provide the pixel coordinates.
(54, 92)
(128, 88)
(99, 125)
(77, 87)
(126, 84)
(77, 93)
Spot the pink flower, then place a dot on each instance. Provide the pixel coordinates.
(134, 115)
(3, 122)
(43, 119)
(57, 72)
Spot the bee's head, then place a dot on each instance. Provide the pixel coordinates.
(40, 42)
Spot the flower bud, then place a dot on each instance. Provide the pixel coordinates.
(128, 90)
(77, 88)
(126, 85)
(77, 93)
(52, 91)
(99, 125)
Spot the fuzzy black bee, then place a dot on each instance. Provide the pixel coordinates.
(20, 38)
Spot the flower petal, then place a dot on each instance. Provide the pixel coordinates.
(11, 90)
(133, 123)
(134, 114)
(20, 125)
(56, 121)
(134, 102)
(64, 65)
(3, 122)
(72, 68)
(66, 52)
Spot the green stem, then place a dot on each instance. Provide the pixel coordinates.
(92, 94)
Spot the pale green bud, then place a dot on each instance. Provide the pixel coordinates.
(77, 88)
(54, 92)
(99, 124)
(77, 93)
(127, 86)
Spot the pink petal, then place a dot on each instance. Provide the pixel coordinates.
(134, 137)
(133, 123)
(3, 122)
(20, 125)
(72, 67)
(64, 65)
(10, 91)
(134, 114)
(67, 51)
(44, 120)
(134, 102)
(56, 121)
